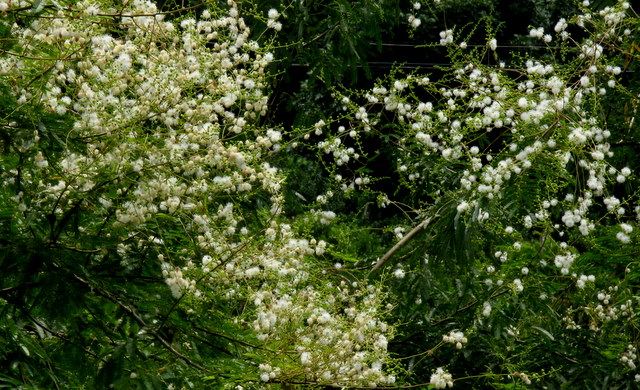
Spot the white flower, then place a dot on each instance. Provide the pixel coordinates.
(446, 37)
(536, 32)
(486, 309)
(493, 44)
(305, 358)
(272, 13)
(271, 23)
(399, 273)
(463, 207)
(561, 25)
(455, 337)
(517, 283)
(623, 237)
(441, 379)
(251, 272)
(626, 227)
(584, 81)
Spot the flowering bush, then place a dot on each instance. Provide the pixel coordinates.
(148, 237)
(517, 173)
(133, 158)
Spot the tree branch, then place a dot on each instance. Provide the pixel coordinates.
(61, 336)
(132, 313)
(401, 243)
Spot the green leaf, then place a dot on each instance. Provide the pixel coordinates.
(545, 332)
(36, 6)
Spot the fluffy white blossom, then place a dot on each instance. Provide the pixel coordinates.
(493, 44)
(441, 379)
(455, 337)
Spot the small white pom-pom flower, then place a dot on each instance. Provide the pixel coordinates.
(493, 44)
(623, 237)
(441, 379)
(486, 309)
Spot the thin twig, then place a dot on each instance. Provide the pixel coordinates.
(132, 313)
(469, 305)
(62, 337)
(401, 243)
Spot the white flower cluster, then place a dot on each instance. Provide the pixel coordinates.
(524, 377)
(564, 261)
(341, 153)
(414, 21)
(441, 379)
(455, 337)
(347, 346)
(602, 310)
(623, 236)
(272, 22)
(539, 33)
(122, 82)
(486, 309)
(493, 44)
(629, 357)
(267, 372)
(164, 114)
(540, 124)
(446, 37)
(583, 279)
(488, 101)
(176, 281)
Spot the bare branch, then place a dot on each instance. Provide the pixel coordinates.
(401, 243)
(133, 314)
